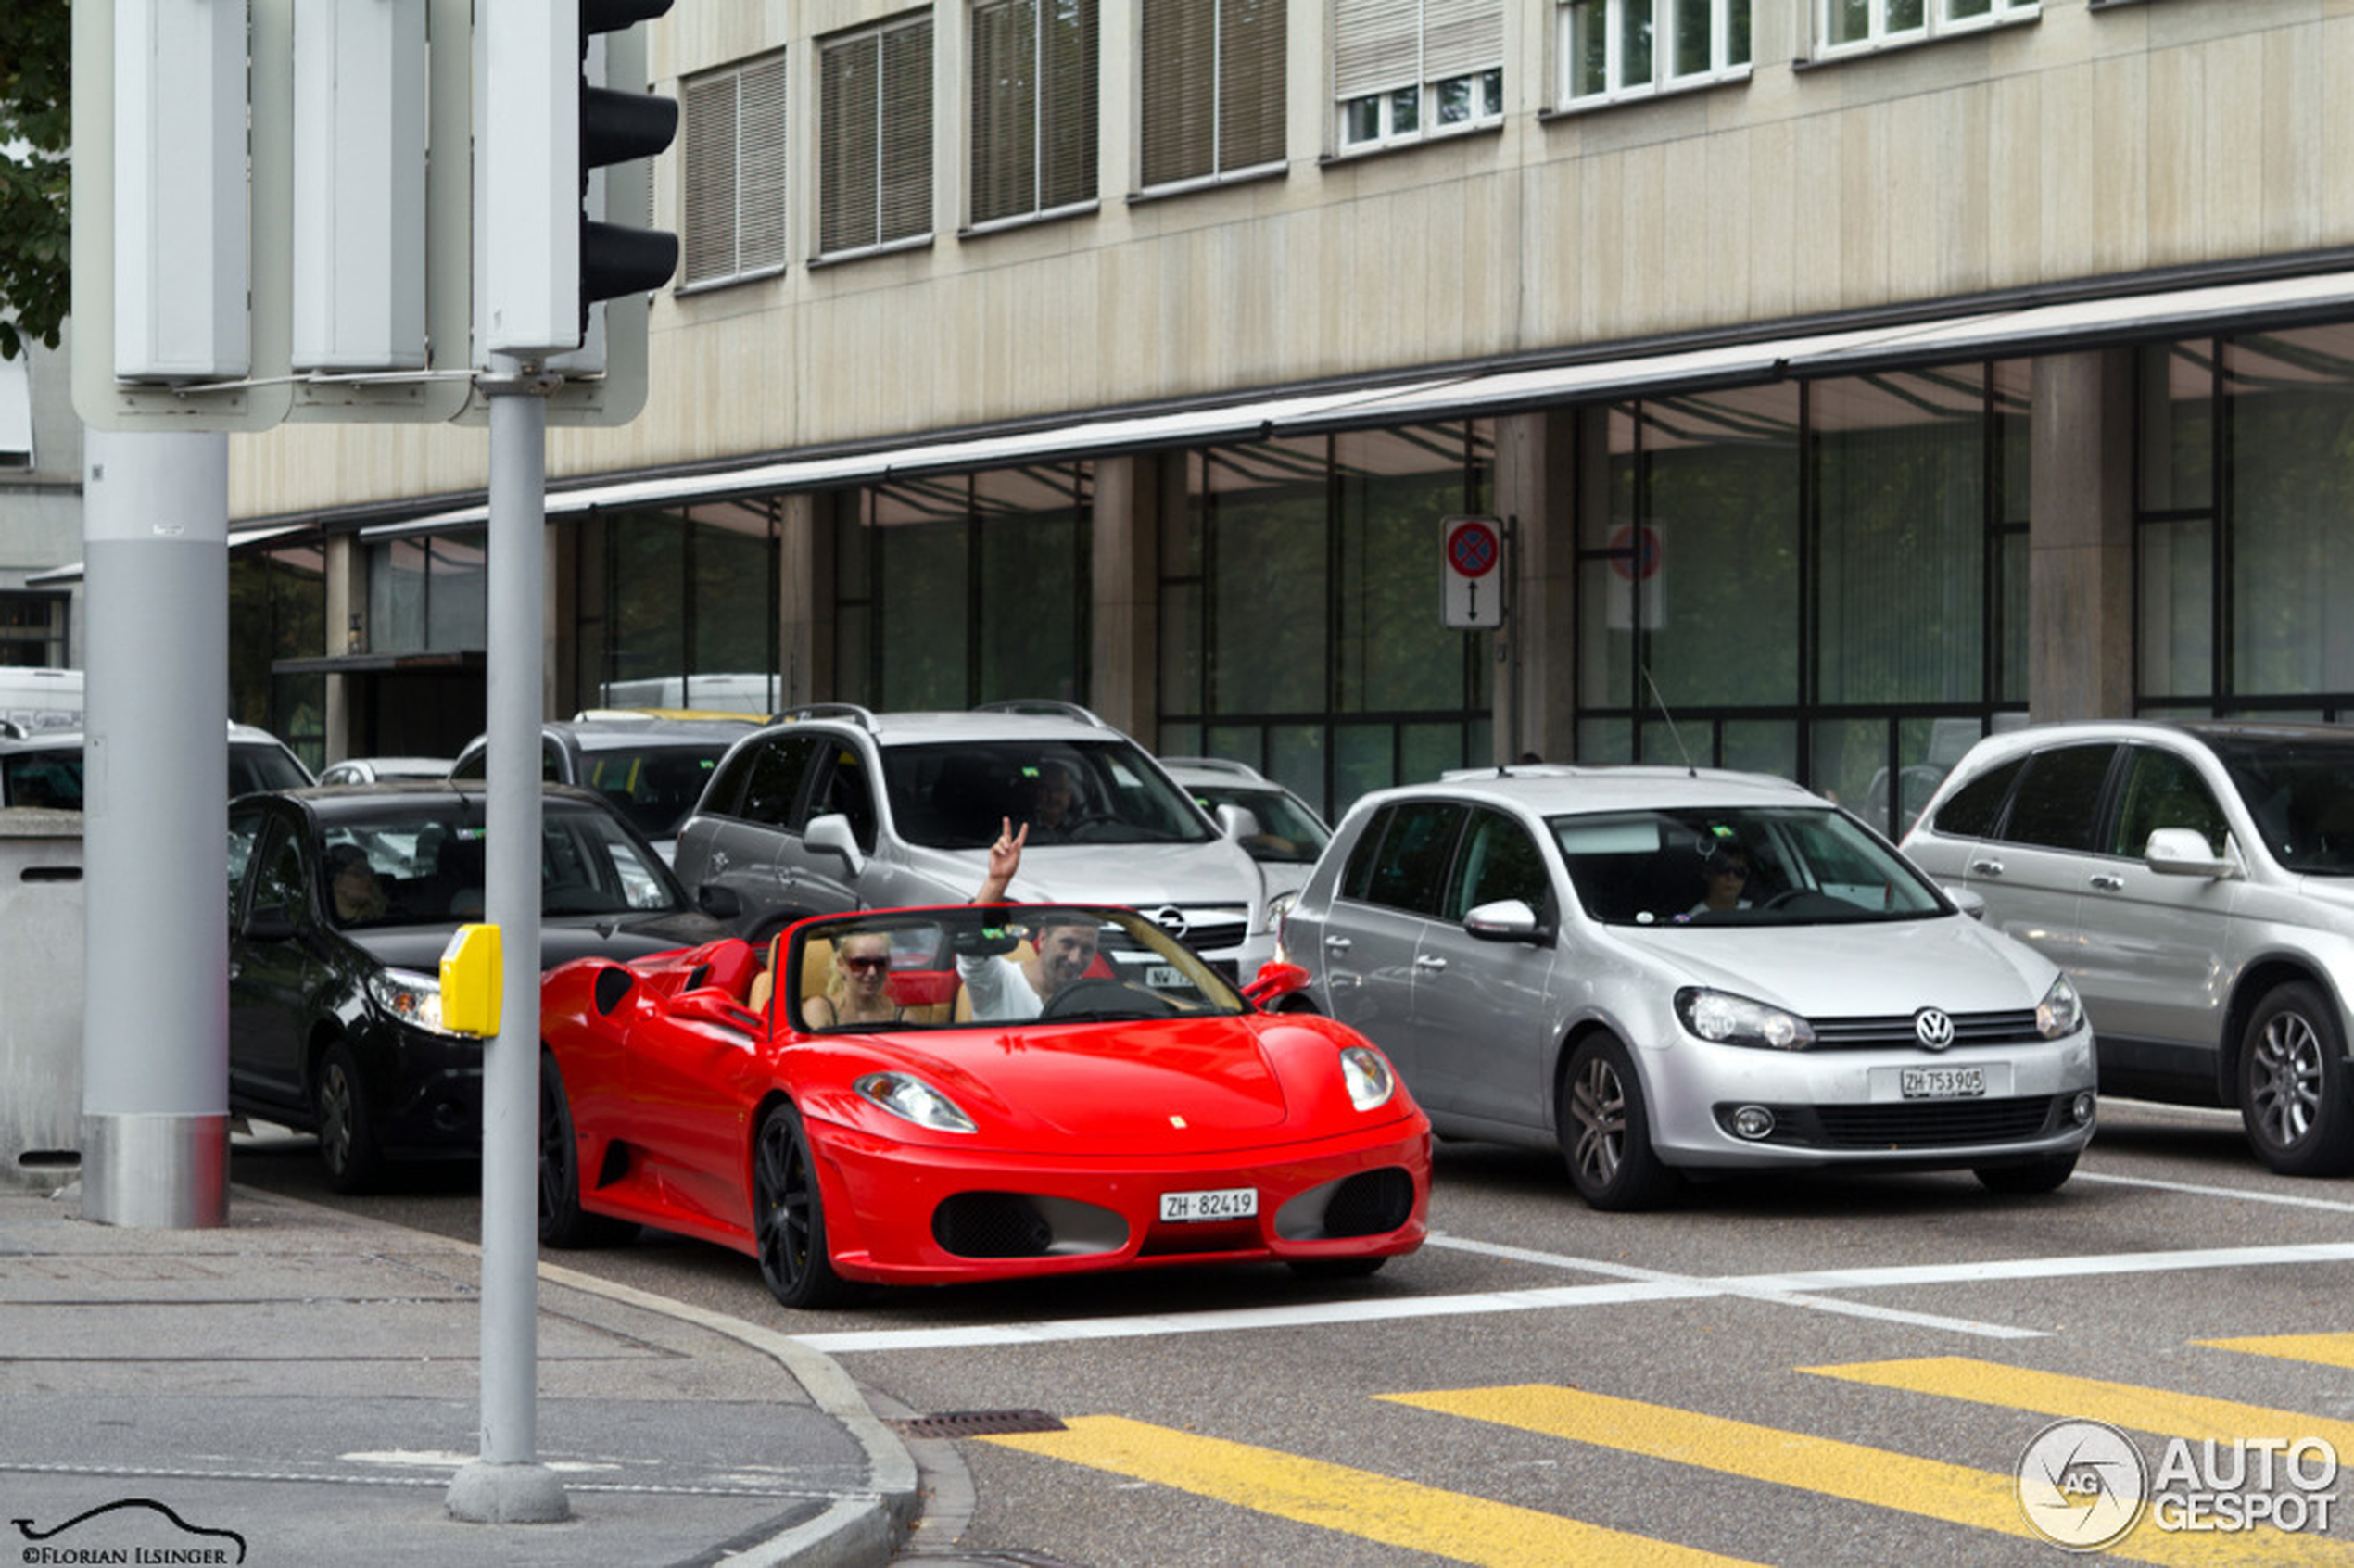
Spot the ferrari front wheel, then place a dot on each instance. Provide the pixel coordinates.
(788, 1215)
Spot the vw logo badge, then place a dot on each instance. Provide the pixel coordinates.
(1170, 918)
(1933, 1029)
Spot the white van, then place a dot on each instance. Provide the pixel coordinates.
(33, 701)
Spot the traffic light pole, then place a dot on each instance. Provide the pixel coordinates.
(507, 1484)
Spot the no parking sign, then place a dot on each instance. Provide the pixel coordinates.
(1471, 579)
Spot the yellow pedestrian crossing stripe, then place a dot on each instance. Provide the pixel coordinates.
(2057, 1395)
(2323, 1349)
(1931, 1488)
(1401, 1514)
(1470, 1529)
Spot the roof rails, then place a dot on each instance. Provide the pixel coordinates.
(864, 717)
(1041, 705)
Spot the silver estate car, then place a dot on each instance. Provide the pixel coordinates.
(840, 808)
(2196, 881)
(1668, 970)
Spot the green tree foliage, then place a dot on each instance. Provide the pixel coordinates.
(36, 133)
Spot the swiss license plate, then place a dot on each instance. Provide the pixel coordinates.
(1225, 1203)
(1941, 1083)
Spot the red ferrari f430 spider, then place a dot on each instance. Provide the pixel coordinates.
(925, 1096)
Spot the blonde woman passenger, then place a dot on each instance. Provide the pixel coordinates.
(859, 990)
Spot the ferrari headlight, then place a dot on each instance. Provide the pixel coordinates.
(1728, 1019)
(411, 998)
(2059, 1014)
(911, 1099)
(1370, 1084)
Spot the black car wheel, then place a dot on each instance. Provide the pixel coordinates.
(2038, 1176)
(788, 1215)
(346, 1121)
(1605, 1131)
(562, 1222)
(2293, 1083)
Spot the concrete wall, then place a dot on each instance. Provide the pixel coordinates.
(2085, 142)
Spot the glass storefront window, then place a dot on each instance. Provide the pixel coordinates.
(969, 588)
(2291, 488)
(1900, 484)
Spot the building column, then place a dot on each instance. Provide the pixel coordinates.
(1124, 588)
(2079, 639)
(805, 600)
(1535, 706)
(346, 633)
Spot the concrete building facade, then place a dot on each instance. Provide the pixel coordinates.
(1850, 376)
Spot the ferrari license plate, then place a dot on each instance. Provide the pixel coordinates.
(1225, 1203)
(1943, 1083)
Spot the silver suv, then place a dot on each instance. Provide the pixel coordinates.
(2196, 881)
(840, 808)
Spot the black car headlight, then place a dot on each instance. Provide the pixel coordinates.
(2059, 1014)
(410, 998)
(1722, 1018)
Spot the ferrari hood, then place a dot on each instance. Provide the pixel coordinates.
(1167, 1087)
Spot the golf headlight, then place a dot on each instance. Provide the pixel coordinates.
(911, 1099)
(2059, 1014)
(1726, 1019)
(1370, 1084)
(411, 998)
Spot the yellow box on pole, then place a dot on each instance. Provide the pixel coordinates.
(470, 969)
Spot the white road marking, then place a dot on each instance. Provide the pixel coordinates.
(1782, 1297)
(1662, 1288)
(2237, 1194)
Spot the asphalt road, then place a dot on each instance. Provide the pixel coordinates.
(1808, 1371)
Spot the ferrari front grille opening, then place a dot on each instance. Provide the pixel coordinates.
(1024, 1225)
(1368, 1204)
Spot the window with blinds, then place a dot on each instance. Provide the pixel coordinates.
(1212, 88)
(732, 170)
(1033, 107)
(874, 137)
(1403, 70)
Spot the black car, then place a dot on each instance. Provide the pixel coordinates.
(341, 901)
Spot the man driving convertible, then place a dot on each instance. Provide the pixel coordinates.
(1001, 988)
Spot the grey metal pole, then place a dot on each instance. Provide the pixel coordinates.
(155, 1052)
(507, 1484)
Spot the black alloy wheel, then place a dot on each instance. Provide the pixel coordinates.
(788, 1215)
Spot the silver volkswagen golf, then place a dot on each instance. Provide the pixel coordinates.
(1668, 970)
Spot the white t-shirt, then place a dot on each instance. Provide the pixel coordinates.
(998, 988)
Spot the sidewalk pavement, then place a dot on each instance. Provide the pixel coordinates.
(299, 1386)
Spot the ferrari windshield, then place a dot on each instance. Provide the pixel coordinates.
(991, 965)
(1784, 865)
(1069, 792)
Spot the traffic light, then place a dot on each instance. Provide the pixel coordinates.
(618, 125)
(555, 109)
